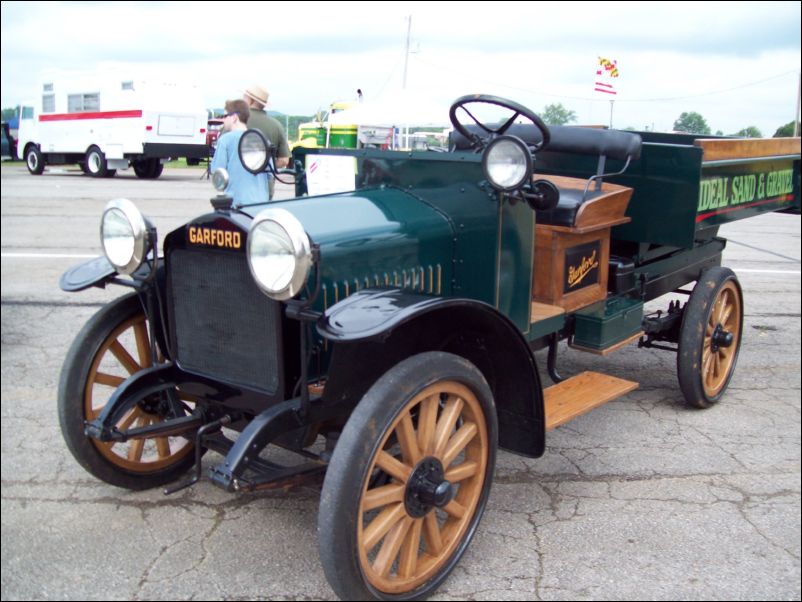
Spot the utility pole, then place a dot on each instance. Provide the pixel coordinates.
(405, 136)
(406, 51)
(611, 114)
(798, 100)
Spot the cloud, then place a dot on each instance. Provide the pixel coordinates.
(535, 53)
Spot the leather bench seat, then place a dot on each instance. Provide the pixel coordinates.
(573, 140)
(564, 214)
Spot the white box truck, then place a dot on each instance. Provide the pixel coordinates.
(108, 123)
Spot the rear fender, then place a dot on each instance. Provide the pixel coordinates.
(375, 329)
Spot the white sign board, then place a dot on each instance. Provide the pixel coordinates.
(329, 174)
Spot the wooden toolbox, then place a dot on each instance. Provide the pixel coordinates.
(571, 263)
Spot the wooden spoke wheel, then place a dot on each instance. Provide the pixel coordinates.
(710, 337)
(408, 480)
(113, 345)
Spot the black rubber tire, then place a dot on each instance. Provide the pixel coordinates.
(95, 162)
(76, 387)
(704, 368)
(353, 471)
(148, 169)
(34, 160)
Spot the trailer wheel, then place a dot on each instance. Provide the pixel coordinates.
(409, 480)
(113, 345)
(95, 162)
(710, 337)
(34, 160)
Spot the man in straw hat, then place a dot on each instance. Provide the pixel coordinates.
(256, 97)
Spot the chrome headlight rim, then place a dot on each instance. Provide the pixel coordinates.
(253, 150)
(220, 179)
(301, 254)
(511, 143)
(139, 233)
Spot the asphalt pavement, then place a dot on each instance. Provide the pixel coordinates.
(642, 499)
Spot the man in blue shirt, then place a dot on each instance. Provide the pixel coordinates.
(243, 186)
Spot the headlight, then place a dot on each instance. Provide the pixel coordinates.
(507, 163)
(220, 179)
(123, 234)
(253, 151)
(279, 253)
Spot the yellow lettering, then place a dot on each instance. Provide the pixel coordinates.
(225, 239)
(577, 274)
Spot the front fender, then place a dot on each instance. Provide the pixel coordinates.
(95, 272)
(99, 272)
(374, 313)
(374, 329)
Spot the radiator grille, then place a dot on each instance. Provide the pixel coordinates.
(224, 327)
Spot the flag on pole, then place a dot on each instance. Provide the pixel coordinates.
(606, 72)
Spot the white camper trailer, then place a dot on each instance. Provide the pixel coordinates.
(112, 124)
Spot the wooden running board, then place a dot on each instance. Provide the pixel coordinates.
(580, 394)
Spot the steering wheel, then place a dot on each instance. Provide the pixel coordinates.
(481, 141)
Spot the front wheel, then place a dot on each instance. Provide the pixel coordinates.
(409, 480)
(112, 346)
(34, 160)
(710, 337)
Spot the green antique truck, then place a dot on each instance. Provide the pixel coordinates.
(384, 332)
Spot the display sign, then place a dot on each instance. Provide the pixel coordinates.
(329, 174)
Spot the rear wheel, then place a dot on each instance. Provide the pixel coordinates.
(112, 346)
(95, 163)
(148, 169)
(409, 480)
(710, 337)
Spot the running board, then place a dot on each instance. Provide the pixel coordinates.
(580, 394)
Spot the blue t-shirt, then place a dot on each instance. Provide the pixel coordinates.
(243, 186)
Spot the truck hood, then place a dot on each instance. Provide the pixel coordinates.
(376, 237)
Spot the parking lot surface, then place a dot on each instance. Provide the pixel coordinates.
(641, 499)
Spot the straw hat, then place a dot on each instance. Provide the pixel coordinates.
(257, 93)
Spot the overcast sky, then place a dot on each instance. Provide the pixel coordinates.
(736, 63)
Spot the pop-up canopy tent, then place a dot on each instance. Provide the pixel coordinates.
(397, 111)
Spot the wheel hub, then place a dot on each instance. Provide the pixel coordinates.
(153, 404)
(427, 488)
(721, 338)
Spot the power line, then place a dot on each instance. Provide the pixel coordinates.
(747, 85)
(565, 96)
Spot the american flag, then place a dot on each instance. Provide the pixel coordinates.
(606, 71)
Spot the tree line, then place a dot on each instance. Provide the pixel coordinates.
(689, 122)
